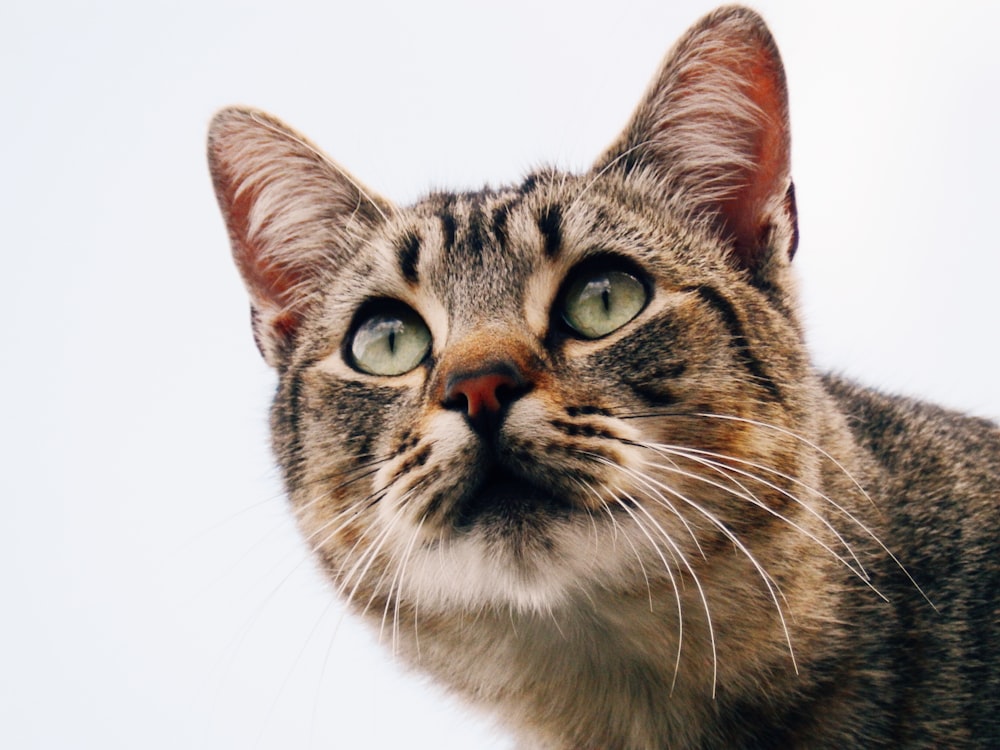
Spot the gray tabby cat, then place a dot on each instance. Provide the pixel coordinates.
(563, 444)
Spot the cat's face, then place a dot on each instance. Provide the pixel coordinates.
(515, 398)
(485, 403)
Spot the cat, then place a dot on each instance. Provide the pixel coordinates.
(561, 442)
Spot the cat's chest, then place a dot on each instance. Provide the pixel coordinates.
(606, 669)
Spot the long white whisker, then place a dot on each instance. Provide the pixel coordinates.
(673, 582)
(397, 584)
(801, 439)
(614, 525)
(361, 471)
(697, 582)
(679, 557)
(772, 587)
(349, 513)
(367, 560)
(698, 455)
(750, 497)
(846, 473)
(639, 476)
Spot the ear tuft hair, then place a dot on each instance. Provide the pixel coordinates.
(713, 130)
(292, 215)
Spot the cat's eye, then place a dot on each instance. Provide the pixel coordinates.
(391, 340)
(599, 302)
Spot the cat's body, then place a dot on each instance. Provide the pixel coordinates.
(563, 445)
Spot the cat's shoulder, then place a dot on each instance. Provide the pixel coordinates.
(895, 426)
(934, 450)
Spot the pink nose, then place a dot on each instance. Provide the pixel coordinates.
(483, 393)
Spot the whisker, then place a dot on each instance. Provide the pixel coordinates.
(863, 577)
(723, 467)
(555, 621)
(392, 522)
(368, 558)
(353, 511)
(288, 673)
(375, 550)
(666, 503)
(416, 616)
(615, 526)
(772, 587)
(678, 557)
(749, 496)
(825, 454)
(800, 438)
(680, 617)
(397, 586)
(363, 471)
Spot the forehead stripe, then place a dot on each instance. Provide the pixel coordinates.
(408, 252)
(550, 225)
(448, 230)
(500, 214)
(476, 234)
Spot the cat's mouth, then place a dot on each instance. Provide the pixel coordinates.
(505, 499)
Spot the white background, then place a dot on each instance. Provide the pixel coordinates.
(153, 593)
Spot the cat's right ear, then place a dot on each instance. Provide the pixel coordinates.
(712, 131)
(292, 214)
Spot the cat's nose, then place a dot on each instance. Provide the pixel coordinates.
(483, 393)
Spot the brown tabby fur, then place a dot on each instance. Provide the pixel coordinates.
(677, 535)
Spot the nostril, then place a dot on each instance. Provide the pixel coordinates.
(481, 393)
(484, 391)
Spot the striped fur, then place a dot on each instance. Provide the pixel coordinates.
(671, 534)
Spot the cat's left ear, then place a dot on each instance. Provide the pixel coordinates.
(293, 216)
(713, 131)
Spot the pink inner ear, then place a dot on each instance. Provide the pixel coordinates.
(271, 286)
(764, 187)
(727, 109)
(292, 216)
(746, 211)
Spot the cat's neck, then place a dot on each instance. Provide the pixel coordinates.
(613, 665)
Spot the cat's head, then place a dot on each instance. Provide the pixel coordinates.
(506, 397)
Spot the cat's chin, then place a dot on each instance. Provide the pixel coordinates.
(516, 544)
(506, 503)
(507, 565)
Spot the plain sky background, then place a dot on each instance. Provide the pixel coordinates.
(153, 592)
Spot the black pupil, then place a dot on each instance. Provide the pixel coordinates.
(606, 298)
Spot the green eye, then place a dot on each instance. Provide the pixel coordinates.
(598, 303)
(390, 342)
